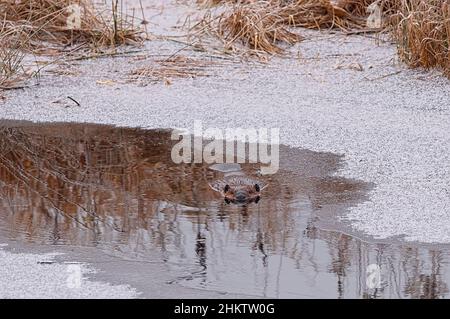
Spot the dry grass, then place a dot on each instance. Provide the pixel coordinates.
(258, 26)
(356, 7)
(320, 14)
(11, 58)
(423, 34)
(359, 7)
(54, 21)
(263, 25)
(209, 3)
(212, 3)
(421, 28)
(55, 26)
(165, 70)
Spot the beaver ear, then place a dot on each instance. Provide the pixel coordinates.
(257, 188)
(227, 188)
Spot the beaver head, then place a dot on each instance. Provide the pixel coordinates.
(242, 194)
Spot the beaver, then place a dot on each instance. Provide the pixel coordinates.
(239, 189)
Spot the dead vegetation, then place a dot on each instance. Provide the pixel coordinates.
(320, 14)
(68, 22)
(423, 34)
(258, 26)
(165, 70)
(265, 25)
(359, 7)
(52, 27)
(12, 55)
(421, 28)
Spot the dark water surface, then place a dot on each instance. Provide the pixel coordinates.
(116, 189)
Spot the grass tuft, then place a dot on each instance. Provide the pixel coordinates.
(49, 26)
(423, 34)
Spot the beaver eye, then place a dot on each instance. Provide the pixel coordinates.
(227, 188)
(257, 199)
(257, 188)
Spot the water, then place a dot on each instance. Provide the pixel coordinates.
(117, 190)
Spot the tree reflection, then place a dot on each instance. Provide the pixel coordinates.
(118, 190)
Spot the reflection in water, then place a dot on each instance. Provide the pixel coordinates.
(116, 189)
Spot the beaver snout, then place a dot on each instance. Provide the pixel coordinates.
(239, 190)
(241, 196)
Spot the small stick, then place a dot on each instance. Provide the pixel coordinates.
(383, 76)
(10, 88)
(144, 22)
(103, 55)
(75, 101)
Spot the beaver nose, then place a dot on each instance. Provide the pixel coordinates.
(241, 196)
